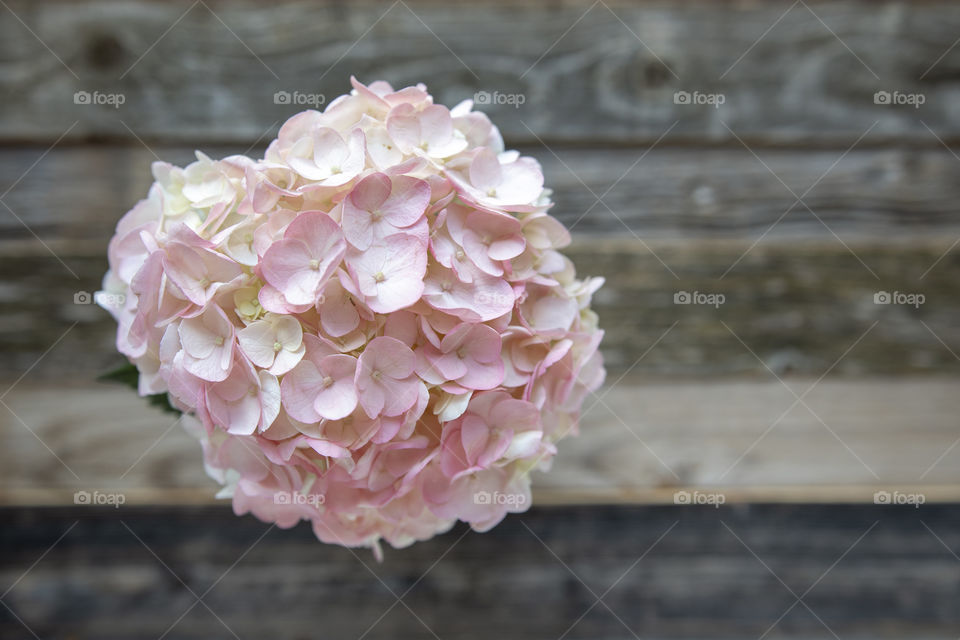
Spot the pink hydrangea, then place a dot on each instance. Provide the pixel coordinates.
(371, 327)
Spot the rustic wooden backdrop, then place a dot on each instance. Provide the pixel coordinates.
(798, 199)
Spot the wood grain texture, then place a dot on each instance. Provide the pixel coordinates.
(790, 73)
(663, 572)
(640, 442)
(680, 220)
(73, 196)
(799, 297)
(798, 305)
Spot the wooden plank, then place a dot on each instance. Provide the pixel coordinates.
(641, 442)
(797, 304)
(801, 74)
(799, 297)
(665, 194)
(663, 572)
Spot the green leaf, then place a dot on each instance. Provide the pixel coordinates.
(162, 401)
(129, 376)
(126, 374)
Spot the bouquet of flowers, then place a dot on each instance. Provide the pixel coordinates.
(371, 328)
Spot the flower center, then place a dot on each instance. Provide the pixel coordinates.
(376, 214)
(335, 170)
(379, 277)
(277, 346)
(205, 282)
(461, 353)
(218, 341)
(315, 265)
(327, 381)
(376, 375)
(491, 193)
(460, 255)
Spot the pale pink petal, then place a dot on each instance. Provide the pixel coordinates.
(338, 315)
(256, 341)
(436, 124)
(389, 356)
(408, 200)
(298, 391)
(289, 266)
(371, 397)
(338, 398)
(390, 275)
(485, 171)
(287, 360)
(303, 261)
(401, 396)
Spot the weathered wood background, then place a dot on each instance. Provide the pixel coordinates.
(662, 572)
(798, 199)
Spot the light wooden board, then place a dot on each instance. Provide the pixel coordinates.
(792, 73)
(641, 442)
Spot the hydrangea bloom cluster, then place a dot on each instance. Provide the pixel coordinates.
(371, 326)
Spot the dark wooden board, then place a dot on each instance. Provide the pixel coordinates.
(798, 305)
(662, 572)
(797, 73)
